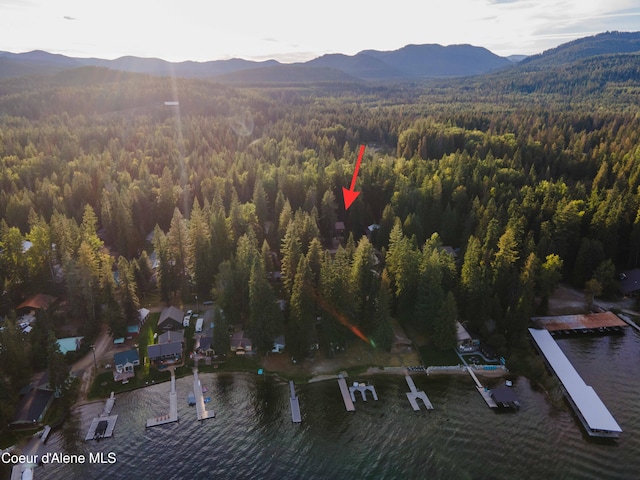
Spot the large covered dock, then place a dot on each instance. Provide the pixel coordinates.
(591, 411)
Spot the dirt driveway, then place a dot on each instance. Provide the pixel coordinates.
(84, 367)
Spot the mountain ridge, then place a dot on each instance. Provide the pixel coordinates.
(411, 62)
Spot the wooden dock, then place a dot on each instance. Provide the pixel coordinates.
(363, 389)
(486, 394)
(295, 405)
(201, 410)
(414, 394)
(111, 425)
(346, 397)
(173, 407)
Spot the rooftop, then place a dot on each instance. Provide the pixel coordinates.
(129, 356)
(579, 322)
(38, 301)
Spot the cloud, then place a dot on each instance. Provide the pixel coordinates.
(66, 17)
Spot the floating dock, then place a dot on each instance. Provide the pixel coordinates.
(101, 427)
(295, 405)
(346, 397)
(363, 389)
(201, 410)
(414, 394)
(484, 392)
(593, 414)
(173, 407)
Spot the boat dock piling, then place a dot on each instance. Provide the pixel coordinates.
(346, 397)
(201, 410)
(414, 394)
(295, 405)
(486, 394)
(363, 389)
(173, 407)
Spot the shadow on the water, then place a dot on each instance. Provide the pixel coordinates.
(71, 435)
(224, 386)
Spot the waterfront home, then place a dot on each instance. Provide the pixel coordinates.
(165, 353)
(241, 344)
(124, 363)
(204, 346)
(35, 401)
(464, 342)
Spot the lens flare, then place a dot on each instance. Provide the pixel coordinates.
(342, 318)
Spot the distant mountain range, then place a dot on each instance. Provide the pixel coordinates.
(412, 62)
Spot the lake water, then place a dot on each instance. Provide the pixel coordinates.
(253, 437)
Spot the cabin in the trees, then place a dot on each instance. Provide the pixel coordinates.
(464, 341)
(278, 344)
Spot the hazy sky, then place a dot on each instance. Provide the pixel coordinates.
(290, 30)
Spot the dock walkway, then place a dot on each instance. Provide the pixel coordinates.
(486, 394)
(346, 397)
(108, 406)
(414, 394)
(201, 410)
(173, 407)
(295, 405)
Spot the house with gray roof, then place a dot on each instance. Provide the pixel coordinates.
(170, 319)
(165, 352)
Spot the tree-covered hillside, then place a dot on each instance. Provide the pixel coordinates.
(236, 184)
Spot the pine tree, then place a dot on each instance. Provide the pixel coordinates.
(264, 313)
(302, 312)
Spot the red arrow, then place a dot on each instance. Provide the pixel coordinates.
(350, 195)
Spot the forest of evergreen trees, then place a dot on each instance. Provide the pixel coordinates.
(236, 183)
